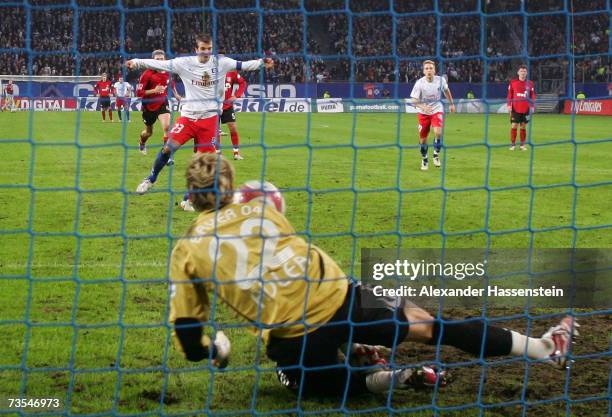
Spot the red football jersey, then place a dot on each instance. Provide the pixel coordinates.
(103, 88)
(9, 89)
(148, 81)
(232, 78)
(521, 95)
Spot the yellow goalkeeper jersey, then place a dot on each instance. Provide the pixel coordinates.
(250, 257)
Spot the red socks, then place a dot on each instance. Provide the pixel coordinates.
(513, 135)
(103, 114)
(235, 139)
(523, 136)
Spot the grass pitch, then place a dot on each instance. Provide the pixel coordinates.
(83, 260)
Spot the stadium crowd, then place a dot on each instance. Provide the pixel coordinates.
(384, 46)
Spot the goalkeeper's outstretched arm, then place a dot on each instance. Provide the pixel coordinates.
(189, 312)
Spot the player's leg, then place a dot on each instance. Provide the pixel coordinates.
(229, 117)
(513, 129)
(380, 322)
(102, 108)
(126, 106)
(164, 120)
(119, 107)
(437, 122)
(110, 110)
(437, 146)
(523, 126)
(225, 118)
(233, 128)
(148, 118)
(106, 107)
(468, 335)
(326, 362)
(424, 125)
(206, 132)
(180, 133)
(299, 361)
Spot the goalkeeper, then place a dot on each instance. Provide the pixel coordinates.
(249, 256)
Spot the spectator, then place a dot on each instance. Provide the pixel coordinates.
(150, 35)
(378, 58)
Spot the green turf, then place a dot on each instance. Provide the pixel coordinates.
(98, 252)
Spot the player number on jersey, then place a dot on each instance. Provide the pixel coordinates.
(271, 259)
(177, 128)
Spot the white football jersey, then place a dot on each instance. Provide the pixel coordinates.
(204, 82)
(123, 89)
(430, 93)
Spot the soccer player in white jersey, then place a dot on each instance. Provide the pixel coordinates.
(426, 96)
(204, 78)
(123, 92)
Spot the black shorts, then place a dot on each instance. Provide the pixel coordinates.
(519, 117)
(228, 116)
(150, 117)
(381, 323)
(104, 102)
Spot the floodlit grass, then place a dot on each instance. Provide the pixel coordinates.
(84, 259)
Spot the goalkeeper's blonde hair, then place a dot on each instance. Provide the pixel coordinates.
(210, 181)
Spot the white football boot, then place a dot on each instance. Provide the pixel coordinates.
(186, 205)
(144, 186)
(436, 160)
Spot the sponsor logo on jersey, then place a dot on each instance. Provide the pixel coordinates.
(207, 81)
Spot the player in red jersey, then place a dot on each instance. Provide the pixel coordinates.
(153, 89)
(228, 116)
(104, 89)
(521, 99)
(9, 103)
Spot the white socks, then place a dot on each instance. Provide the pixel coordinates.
(536, 348)
(381, 381)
